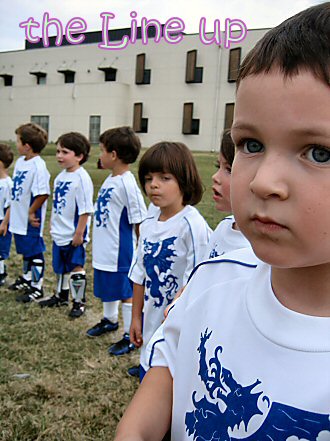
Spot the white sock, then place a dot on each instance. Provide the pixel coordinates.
(110, 311)
(2, 266)
(127, 316)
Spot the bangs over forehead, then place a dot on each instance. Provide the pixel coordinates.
(300, 43)
(177, 159)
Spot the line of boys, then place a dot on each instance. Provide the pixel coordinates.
(114, 236)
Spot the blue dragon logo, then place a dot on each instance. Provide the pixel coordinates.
(61, 189)
(233, 404)
(17, 188)
(102, 212)
(158, 260)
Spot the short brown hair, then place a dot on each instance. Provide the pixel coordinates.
(227, 147)
(6, 155)
(76, 142)
(174, 158)
(34, 135)
(300, 43)
(124, 141)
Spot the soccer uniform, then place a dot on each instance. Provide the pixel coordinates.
(30, 179)
(167, 253)
(5, 197)
(119, 207)
(72, 197)
(244, 366)
(224, 239)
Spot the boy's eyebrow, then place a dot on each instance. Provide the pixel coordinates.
(309, 131)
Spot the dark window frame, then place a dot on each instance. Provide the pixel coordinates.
(194, 74)
(190, 125)
(140, 124)
(234, 63)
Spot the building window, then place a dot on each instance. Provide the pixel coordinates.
(68, 75)
(140, 124)
(40, 77)
(234, 64)
(7, 79)
(190, 125)
(194, 74)
(42, 121)
(142, 75)
(109, 73)
(229, 115)
(94, 129)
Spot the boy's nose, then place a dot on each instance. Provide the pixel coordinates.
(270, 179)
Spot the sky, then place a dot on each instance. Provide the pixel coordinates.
(254, 13)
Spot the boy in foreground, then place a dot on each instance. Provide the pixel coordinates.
(246, 351)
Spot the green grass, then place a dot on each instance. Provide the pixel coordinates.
(55, 383)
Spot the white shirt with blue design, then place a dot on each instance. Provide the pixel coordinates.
(244, 366)
(72, 197)
(119, 207)
(6, 185)
(167, 253)
(30, 179)
(225, 238)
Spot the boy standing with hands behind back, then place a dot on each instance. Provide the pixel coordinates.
(71, 212)
(246, 349)
(119, 210)
(28, 209)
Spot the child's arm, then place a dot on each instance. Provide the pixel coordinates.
(136, 323)
(37, 203)
(4, 223)
(148, 416)
(78, 237)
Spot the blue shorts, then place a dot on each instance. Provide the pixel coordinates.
(5, 242)
(109, 286)
(28, 245)
(67, 257)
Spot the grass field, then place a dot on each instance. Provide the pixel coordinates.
(55, 383)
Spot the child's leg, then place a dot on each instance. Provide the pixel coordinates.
(124, 346)
(3, 273)
(110, 311)
(104, 282)
(61, 298)
(37, 271)
(126, 307)
(77, 283)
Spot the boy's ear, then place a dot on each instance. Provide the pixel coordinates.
(114, 154)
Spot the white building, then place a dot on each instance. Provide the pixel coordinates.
(183, 92)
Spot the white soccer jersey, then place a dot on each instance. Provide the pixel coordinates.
(119, 207)
(244, 366)
(30, 179)
(167, 253)
(224, 239)
(5, 195)
(72, 197)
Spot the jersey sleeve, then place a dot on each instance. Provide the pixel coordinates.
(196, 237)
(136, 207)
(84, 194)
(137, 270)
(40, 183)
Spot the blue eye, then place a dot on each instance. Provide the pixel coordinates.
(252, 146)
(318, 154)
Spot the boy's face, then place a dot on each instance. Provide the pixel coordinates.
(281, 173)
(221, 185)
(107, 158)
(67, 159)
(21, 148)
